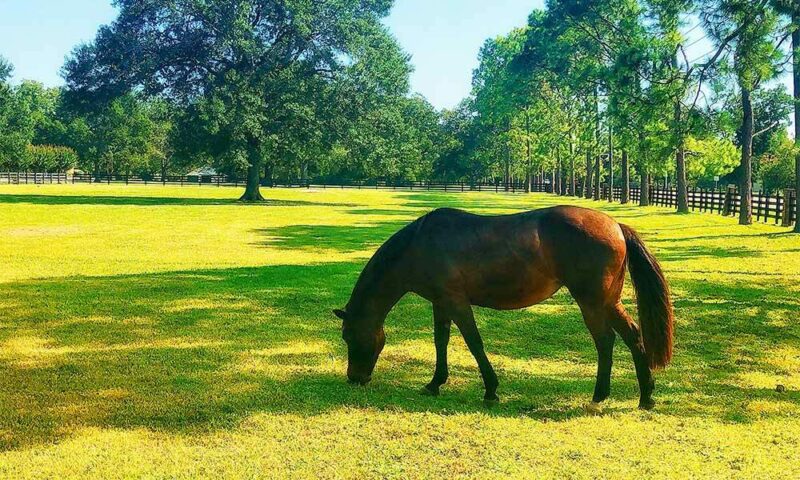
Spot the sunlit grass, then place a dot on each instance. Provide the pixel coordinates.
(172, 332)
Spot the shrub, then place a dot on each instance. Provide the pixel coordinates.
(49, 158)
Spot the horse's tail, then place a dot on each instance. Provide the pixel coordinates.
(652, 299)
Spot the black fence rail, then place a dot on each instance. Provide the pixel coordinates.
(17, 178)
(183, 180)
(498, 187)
(221, 180)
(779, 208)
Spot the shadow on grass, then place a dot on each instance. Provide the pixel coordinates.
(152, 201)
(345, 239)
(202, 349)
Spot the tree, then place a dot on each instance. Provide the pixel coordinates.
(710, 157)
(755, 60)
(235, 63)
(777, 165)
(6, 70)
(791, 9)
(17, 123)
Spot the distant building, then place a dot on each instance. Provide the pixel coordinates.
(202, 172)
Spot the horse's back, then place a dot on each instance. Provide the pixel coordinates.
(512, 261)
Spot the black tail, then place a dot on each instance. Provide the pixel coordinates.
(652, 299)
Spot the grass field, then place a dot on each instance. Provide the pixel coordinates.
(172, 332)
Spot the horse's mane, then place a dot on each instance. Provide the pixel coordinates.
(386, 257)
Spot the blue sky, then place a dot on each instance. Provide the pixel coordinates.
(443, 37)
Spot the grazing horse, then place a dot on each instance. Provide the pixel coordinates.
(457, 259)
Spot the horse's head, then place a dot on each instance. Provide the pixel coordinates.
(365, 340)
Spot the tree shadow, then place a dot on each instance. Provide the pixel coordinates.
(343, 239)
(694, 252)
(195, 350)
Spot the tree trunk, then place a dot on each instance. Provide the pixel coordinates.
(746, 179)
(508, 156)
(587, 184)
(610, 163)
(796, 77)
(529, 174)
(644, 190)
(597, 184)
(267, 174)
(572, 181)
(559, 172)
(252, 192)
(681, 193)
(680, 171)
(626, 179)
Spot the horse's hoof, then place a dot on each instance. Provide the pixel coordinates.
(429, 391)
(490, 401)
(593, 408)
(647, 404)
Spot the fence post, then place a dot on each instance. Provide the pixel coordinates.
(788, 201)
(726, 206)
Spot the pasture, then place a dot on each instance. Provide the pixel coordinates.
(173, 332)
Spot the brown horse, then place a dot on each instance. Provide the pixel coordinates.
(456, 259)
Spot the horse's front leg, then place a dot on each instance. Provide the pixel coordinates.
(465, 321)
(441, 338)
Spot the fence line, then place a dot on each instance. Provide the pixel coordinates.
(726, 201)
(223, 181)
(32, 177)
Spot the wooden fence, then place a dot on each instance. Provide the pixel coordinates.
(32, 178)
(779, 208)
(221, 180)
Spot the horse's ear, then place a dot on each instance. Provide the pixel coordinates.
(340, 314)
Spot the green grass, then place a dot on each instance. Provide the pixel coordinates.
(172, 332)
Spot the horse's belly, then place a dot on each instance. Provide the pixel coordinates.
(516, 293)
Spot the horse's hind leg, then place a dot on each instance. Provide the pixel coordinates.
(596, 321)
(622, 323)
(441, 338)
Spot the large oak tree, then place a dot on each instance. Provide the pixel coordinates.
(235, 63)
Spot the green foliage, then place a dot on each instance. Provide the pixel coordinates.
(49, 158)
(777, 166)
(17, 127)
(709, 158)
(6, 69)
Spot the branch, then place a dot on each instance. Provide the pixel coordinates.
(773, 125)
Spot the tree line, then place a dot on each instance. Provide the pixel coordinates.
(588, 93)
(606, 93)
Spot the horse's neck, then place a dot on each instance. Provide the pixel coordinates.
(379, 288)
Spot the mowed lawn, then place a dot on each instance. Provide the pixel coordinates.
(172, 332)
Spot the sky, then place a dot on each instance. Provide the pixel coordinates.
(442, 36)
